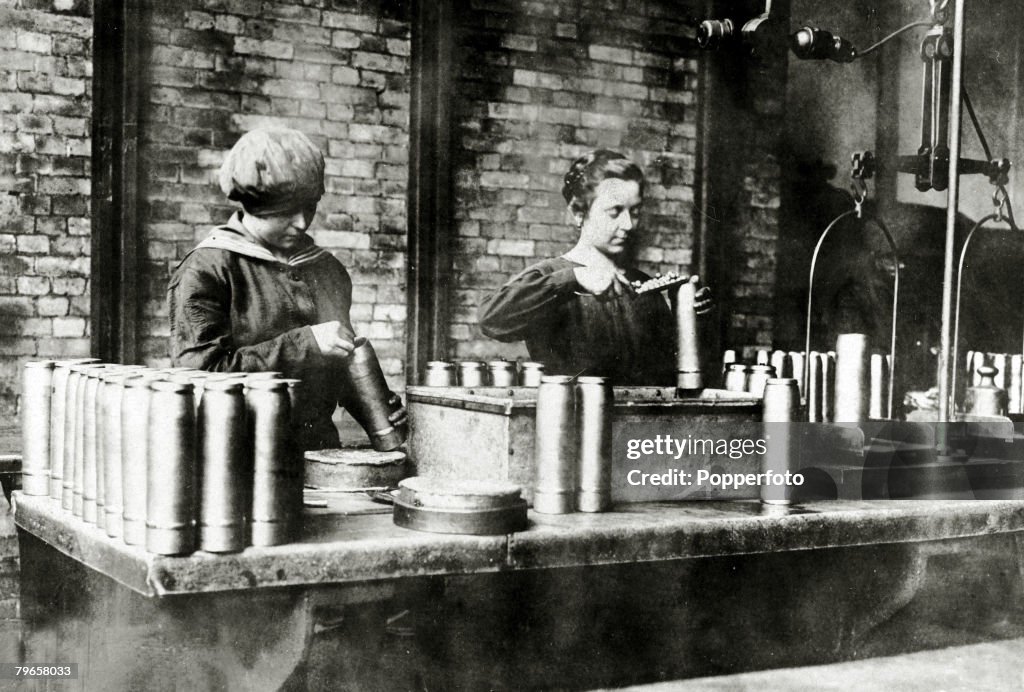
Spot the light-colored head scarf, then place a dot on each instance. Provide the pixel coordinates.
(273, 171)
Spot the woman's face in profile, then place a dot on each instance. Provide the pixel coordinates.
(613, 216)
(282, 232)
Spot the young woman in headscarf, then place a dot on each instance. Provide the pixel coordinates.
(578, 313)
(257, 294)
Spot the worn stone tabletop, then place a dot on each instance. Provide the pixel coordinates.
(354, 540)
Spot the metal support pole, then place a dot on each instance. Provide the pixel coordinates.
(955, 126)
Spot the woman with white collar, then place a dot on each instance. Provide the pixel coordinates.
(257, 294)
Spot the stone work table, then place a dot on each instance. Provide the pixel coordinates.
(354, 540)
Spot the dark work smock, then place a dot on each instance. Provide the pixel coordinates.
(236, 308)
(629, 338)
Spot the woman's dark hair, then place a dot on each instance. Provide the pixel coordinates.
(587, 172)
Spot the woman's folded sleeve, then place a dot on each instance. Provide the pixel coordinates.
(201, 332)
(526, 303)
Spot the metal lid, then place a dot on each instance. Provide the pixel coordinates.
(532, 365)
(781, 381)
(223, 384)
(592, 379)
(143, 378)
(47, 364)
(439, 365)
(501, 364)
(740, 367)
(470, 365)
(261, 376)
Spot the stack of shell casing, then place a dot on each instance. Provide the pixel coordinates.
(474, 373)
(1008, 377)
(573, 445)
(865, 382)
(171, 460)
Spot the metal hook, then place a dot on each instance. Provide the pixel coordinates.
(999, 200)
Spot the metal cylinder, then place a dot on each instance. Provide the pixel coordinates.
(439, 373)
(878, 397)
(853, 389)
(71, 418)
(111, 509)
(277, 465)
(781, 411)
(502, 373)
(688, 368)
(555, 447)
(531, 373)
(171, 469)
(369, 399)
(828, 386)
(135, 405)
(815, 389)
(759, 376)
(472, 374)
(763, 357)
(1014, 392)
(90, 442)
(36, 395)
(986, 398)
(594, 405)
(736, 377)
(796, 358)
(782, 364)
(225, 468)
(59, 423)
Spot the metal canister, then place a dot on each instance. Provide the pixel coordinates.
(986, 398)
(877, 398)
(796, 358)
(736, 377)
(277, 465)
(781, 411)
(594, 405)
(90, 442)
(555, 446)
(36, 394)
(852, 391)
(815, 389)
(689, 377)
(369, 399)
(759, 376)
(71, 441)
(1016, 368)
(763, 357)
(171, 469)
(782, 364)
(58, 423)
(502, 373)
(225, 467)
(440, 373)
(135, 405)
(471, 374)
(531, 373)
(110, 504)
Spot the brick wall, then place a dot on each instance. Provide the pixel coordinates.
(45, 68)
(337, 71)
(539, 84)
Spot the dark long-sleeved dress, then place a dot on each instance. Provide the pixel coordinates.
(236, 308)
(629, 338)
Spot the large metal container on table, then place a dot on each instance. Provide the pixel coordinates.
(487, 433)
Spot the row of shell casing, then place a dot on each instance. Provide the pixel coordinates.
(1007, 374)
(573, 445)
(849, 384)
(170, 460)
(473, 373)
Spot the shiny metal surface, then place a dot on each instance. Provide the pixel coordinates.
(594, 402)
(171, 476)
(36, 395)
(688, 366)
(369, 399)
(502, 373)
(439, 373)
(781, 411)
(472, 374)
(530, 374)
(736, 377)
(135, 405)
(225, 468)
(852, 390)
(277, 465)
(555, 446)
